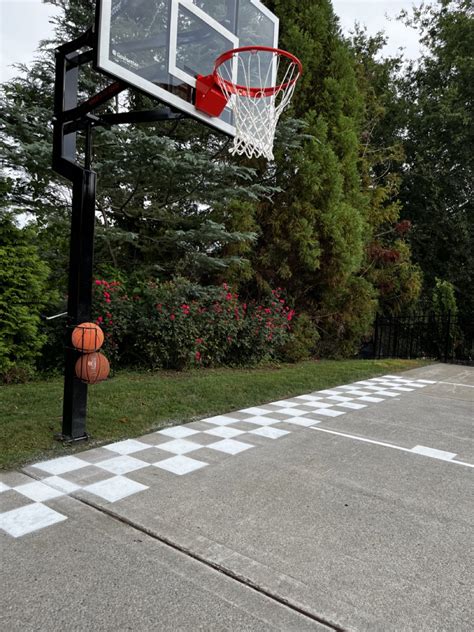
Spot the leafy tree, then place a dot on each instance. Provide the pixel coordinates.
(437, 192)
(23, 293)
(444, 298)
(388, 264)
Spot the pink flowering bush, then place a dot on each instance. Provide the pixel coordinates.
(177, 324)
(112, 311)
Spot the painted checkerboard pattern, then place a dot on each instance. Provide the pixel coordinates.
(107, 473)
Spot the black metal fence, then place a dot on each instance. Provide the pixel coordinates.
(428, 335)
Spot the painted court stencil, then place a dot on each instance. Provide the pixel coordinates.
(106, 473)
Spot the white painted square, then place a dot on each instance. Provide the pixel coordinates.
(116, 488)
(426, 381)
(178, 432)
(122, 464)
(62, 465)
(269, 433)
(285, 403)
(38, 491)
(374, 400)
(403, 389)
(340, 398)
(180, 465)
(298, 412)
(352, 405)
(61, 483)
(257, 411)
(18, 522)
(3, 487)
(129, 446)
(225, 432)
(262, 421)
(363, 383)
(310, 398)
(318, 405)
(386, 393)
(328, 392)
(229, 446)
(416, 385)
(220, 420)
(329, 412)
(433, 453)
(305, 422)
(179, 446)
(357, 392)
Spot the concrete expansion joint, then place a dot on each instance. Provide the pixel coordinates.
(241, 579)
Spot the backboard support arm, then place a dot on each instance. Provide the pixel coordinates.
(70, 117)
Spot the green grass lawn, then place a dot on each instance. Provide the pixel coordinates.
(131, 404)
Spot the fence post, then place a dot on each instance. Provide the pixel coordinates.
(376, 336)
(447, 336)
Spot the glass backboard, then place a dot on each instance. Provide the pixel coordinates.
(160, 46)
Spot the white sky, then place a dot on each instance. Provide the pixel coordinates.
(23, 23)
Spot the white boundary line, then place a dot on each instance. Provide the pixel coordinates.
(388, 445)
(456, 384)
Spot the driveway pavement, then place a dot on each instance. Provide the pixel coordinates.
(345, 509)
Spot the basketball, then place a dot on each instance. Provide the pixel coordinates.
(92, 368)
(87, 337)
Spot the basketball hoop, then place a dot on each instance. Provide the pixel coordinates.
(257, 83)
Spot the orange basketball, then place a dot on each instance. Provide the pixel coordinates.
(92, 368)
(87, 337)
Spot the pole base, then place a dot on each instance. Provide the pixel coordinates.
(67, 439)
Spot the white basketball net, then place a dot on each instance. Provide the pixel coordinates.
(256, 115)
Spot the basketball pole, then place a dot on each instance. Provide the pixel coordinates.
(71, 117)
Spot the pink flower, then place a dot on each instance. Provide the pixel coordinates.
(172, 316)
(198, 356)
(98, 282)
(199, 341)
(100, 319)
(228, 296)
(268, 310)
(107, 300)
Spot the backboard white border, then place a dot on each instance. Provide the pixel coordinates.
(103, 62)
(202, 15)
(272, 17)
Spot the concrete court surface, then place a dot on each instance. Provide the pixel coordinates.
(360, 522)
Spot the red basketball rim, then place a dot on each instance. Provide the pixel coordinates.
(235, 88)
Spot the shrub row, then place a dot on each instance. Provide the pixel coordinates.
(178, 324)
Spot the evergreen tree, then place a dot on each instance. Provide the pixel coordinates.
(437, 190)
(23, 294)
(388, 264)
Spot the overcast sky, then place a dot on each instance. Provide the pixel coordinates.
(25, 22)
